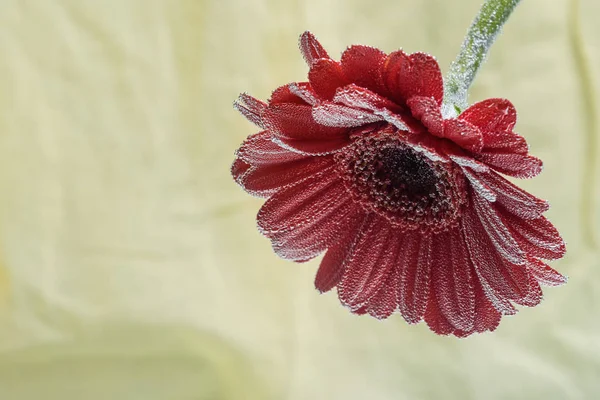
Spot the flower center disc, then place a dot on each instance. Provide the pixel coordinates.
(389, 177)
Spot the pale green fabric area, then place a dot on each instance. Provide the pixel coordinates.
(132, 264)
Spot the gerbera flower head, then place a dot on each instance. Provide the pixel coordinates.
(409, 206)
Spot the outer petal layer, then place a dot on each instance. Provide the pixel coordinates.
(546, 275)
(297, 205)
(385, 302)
(265, 180)
(333, 264)
(251, 108)
(364, 267)
(503, 279)
(453, 282)
(324, 230)
(259, 149)
(492, 115)
(516, 165)
(295, 127)
(415, 262)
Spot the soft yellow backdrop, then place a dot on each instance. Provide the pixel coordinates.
(130, 266)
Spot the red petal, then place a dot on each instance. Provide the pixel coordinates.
(415, 260)
(251, 108)
(514, 199)
(501, 279)
(516, 165)
(428, 145)
(359, 97)
(415, 75)
(362, 65)
(492, 115)
(466, 161)
(311, 239)
(360, 311)
(536, 236)
(545, 275)
(259, 149)
(371, 282)
(311, 48)
(336, 115)
(304, 91)
(500, 303)
(487, 318)
(463, 134)
(332, 266)
(385, 302)
(462, 334)
(297, 93)
(265, 180)
(535, 295)
(363, 272)
(506, 246)
(312, 147)
(453, 281)
(428, 112)
(238, 169)
(480, 185)
(461, 158)
(294, 123)
(434, 317)
(298, 205)
(325, 76)
(504, 142)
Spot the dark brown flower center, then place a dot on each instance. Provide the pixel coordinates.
(389, 177)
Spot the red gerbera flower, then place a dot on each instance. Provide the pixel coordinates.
(409, 207)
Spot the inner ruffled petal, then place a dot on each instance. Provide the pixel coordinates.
(412, 75)
(464, 134)
(325, 77)
(362, 65)
(426, 110)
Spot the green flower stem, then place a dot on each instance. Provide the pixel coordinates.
(479, 39)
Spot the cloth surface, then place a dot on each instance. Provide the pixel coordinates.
(130, 264)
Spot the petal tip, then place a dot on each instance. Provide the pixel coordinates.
(251, 108)
(310, 48)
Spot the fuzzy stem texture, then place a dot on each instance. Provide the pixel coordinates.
(480, 37)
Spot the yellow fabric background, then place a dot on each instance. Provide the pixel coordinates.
(130, 266)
